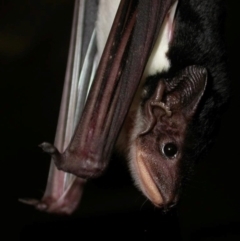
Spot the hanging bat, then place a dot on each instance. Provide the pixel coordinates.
(160, 86)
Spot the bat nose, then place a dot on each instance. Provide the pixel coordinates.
(170, 199)
(169, 195)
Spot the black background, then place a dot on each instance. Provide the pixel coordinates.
(34, 38)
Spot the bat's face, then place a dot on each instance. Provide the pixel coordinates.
(159, 133)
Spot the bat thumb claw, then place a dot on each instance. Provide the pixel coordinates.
(32, 202)
(49, 148)
(55, 154)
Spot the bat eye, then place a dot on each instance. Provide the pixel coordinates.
(170, 150)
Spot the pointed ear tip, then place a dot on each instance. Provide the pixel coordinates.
(204, 70)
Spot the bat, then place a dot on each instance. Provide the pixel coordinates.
(160, 85)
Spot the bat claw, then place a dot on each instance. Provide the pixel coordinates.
(34, 202)
(49, 148)
(53, 151)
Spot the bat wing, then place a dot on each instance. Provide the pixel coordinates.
(64, 190)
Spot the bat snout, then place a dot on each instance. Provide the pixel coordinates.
(158, 181)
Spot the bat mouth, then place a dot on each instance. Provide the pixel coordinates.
(150, 182)
(148, 185)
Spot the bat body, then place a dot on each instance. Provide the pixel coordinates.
(197, 41)
(161, 80)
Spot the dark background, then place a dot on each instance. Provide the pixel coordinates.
(34, 38)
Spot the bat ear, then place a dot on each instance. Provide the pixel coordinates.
(176, 98)
(185, 90)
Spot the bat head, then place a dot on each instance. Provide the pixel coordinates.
(159, 133)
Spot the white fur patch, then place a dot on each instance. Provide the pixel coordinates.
(158, 61)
